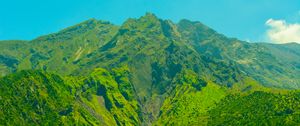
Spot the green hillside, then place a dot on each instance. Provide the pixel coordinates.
(37, 98)
(147, 71)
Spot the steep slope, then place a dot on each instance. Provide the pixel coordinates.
(116, 93)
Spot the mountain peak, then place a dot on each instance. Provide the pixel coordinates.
(149, 15)
(149, 18)
(149, 23)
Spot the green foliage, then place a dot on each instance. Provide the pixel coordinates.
(188, 77)
(117, 93)
(37, 98)
(189, 107)
(258, 108)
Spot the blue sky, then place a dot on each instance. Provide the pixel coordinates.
(243, 19)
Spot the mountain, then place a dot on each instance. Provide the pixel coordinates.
(148, 71)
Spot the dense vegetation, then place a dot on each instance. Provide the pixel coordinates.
(37, 98)
(147, 71)
(258, 108)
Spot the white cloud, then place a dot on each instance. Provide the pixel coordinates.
(247, 40)
(282, 32)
